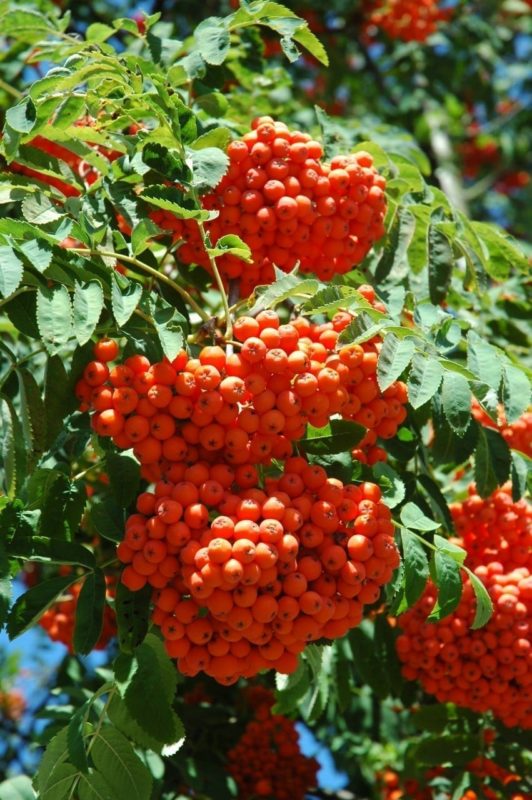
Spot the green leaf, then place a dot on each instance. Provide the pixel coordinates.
(170, 199)
(93, 786)
(433, 718)
(122, 719)
(33, 603)
(108, 518)
(483, 360)
(89, 612)
(333, 297)
(492, 461)
(55, 754)
(62, 508)
(122, 769)
(22, 117)
(13, 449)
(76, 730)
(54, 317)
(125, 297)
(505, 256)
(213, 41)
(284, 287)
(459, 749)
(87, 307)
(216, 137)
(441, 263)
(393, 488)
(11, 271)
(338, 436)
(484, 606)
(37, 208)
(209, 165)
(155, 678)
(132, 616)
(456, 401)
(230, 244)
(58, 398)
(423, 380)
(394, 358)
(396, 244)
(141, 234)
(124, 475)
(521, 472)
(413, 517)
(438, 499)
(416, 567)
(17, 788)
(98, 32)
(452, 550)
(32, 412)
(445, 572)
(515, 392)
(170, 326)
(38, 252)
(371, 669)
(60, 784)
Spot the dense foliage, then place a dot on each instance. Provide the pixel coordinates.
(265, 399)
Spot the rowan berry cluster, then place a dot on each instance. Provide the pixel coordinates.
(59, 619)
(245, 578)
(517, 435)
(408, 20)
(393, 787)
(495, 528)
(267, 761)
(289, 207)
(485, 669)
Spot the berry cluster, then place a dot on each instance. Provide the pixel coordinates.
(517, 435)
(59, 619)
(267, 761)
(245, 407)
(494, 528)
(289, 207)
(393, 787)
(408, 20)
(245, 578)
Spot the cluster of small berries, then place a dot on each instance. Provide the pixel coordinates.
(408, 20)
(488, 668)
(245, 407)
(393, 787)
(12, 704)
(517, 435)
(267, 761)
(289, 207)
(495, 528)
(245, 578)
(60, 618)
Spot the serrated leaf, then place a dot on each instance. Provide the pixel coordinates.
(75, 739)
(55, 754)
(38, 252)
(284, 287)
(58, 398)
(484, 606)
(394, 358)
(122, 769)
(62, 508)
(37, 208)
(132, 616)
(17, 788)
(456, 401)
(212, 39)
(89, 612)
(87, 307)
(122, 719)
(170, 199)
(492, 461)
(416, 567)
(209, 165)
(60, 783)
(230, 244)
(124, 475)
(216, 137)
(441, 261)
(141, 234)
(33, 603)
(396, 244)
(424, 379)
(459, 749)
(455, 552)
(435, 494)
(338, 436)
(505, 256)
(330, 298)
(93, 786)
(515, 392)
(170, 326)
(413, 517)
(445, 572)
(155, 677)
(372, 671)
(392, 487)
(13, 449)
(483, 360)
(32, 412)
(54, 317)
(108, 518)
(11, 271)
(521, 472)
(125, 297)
(22, 116)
